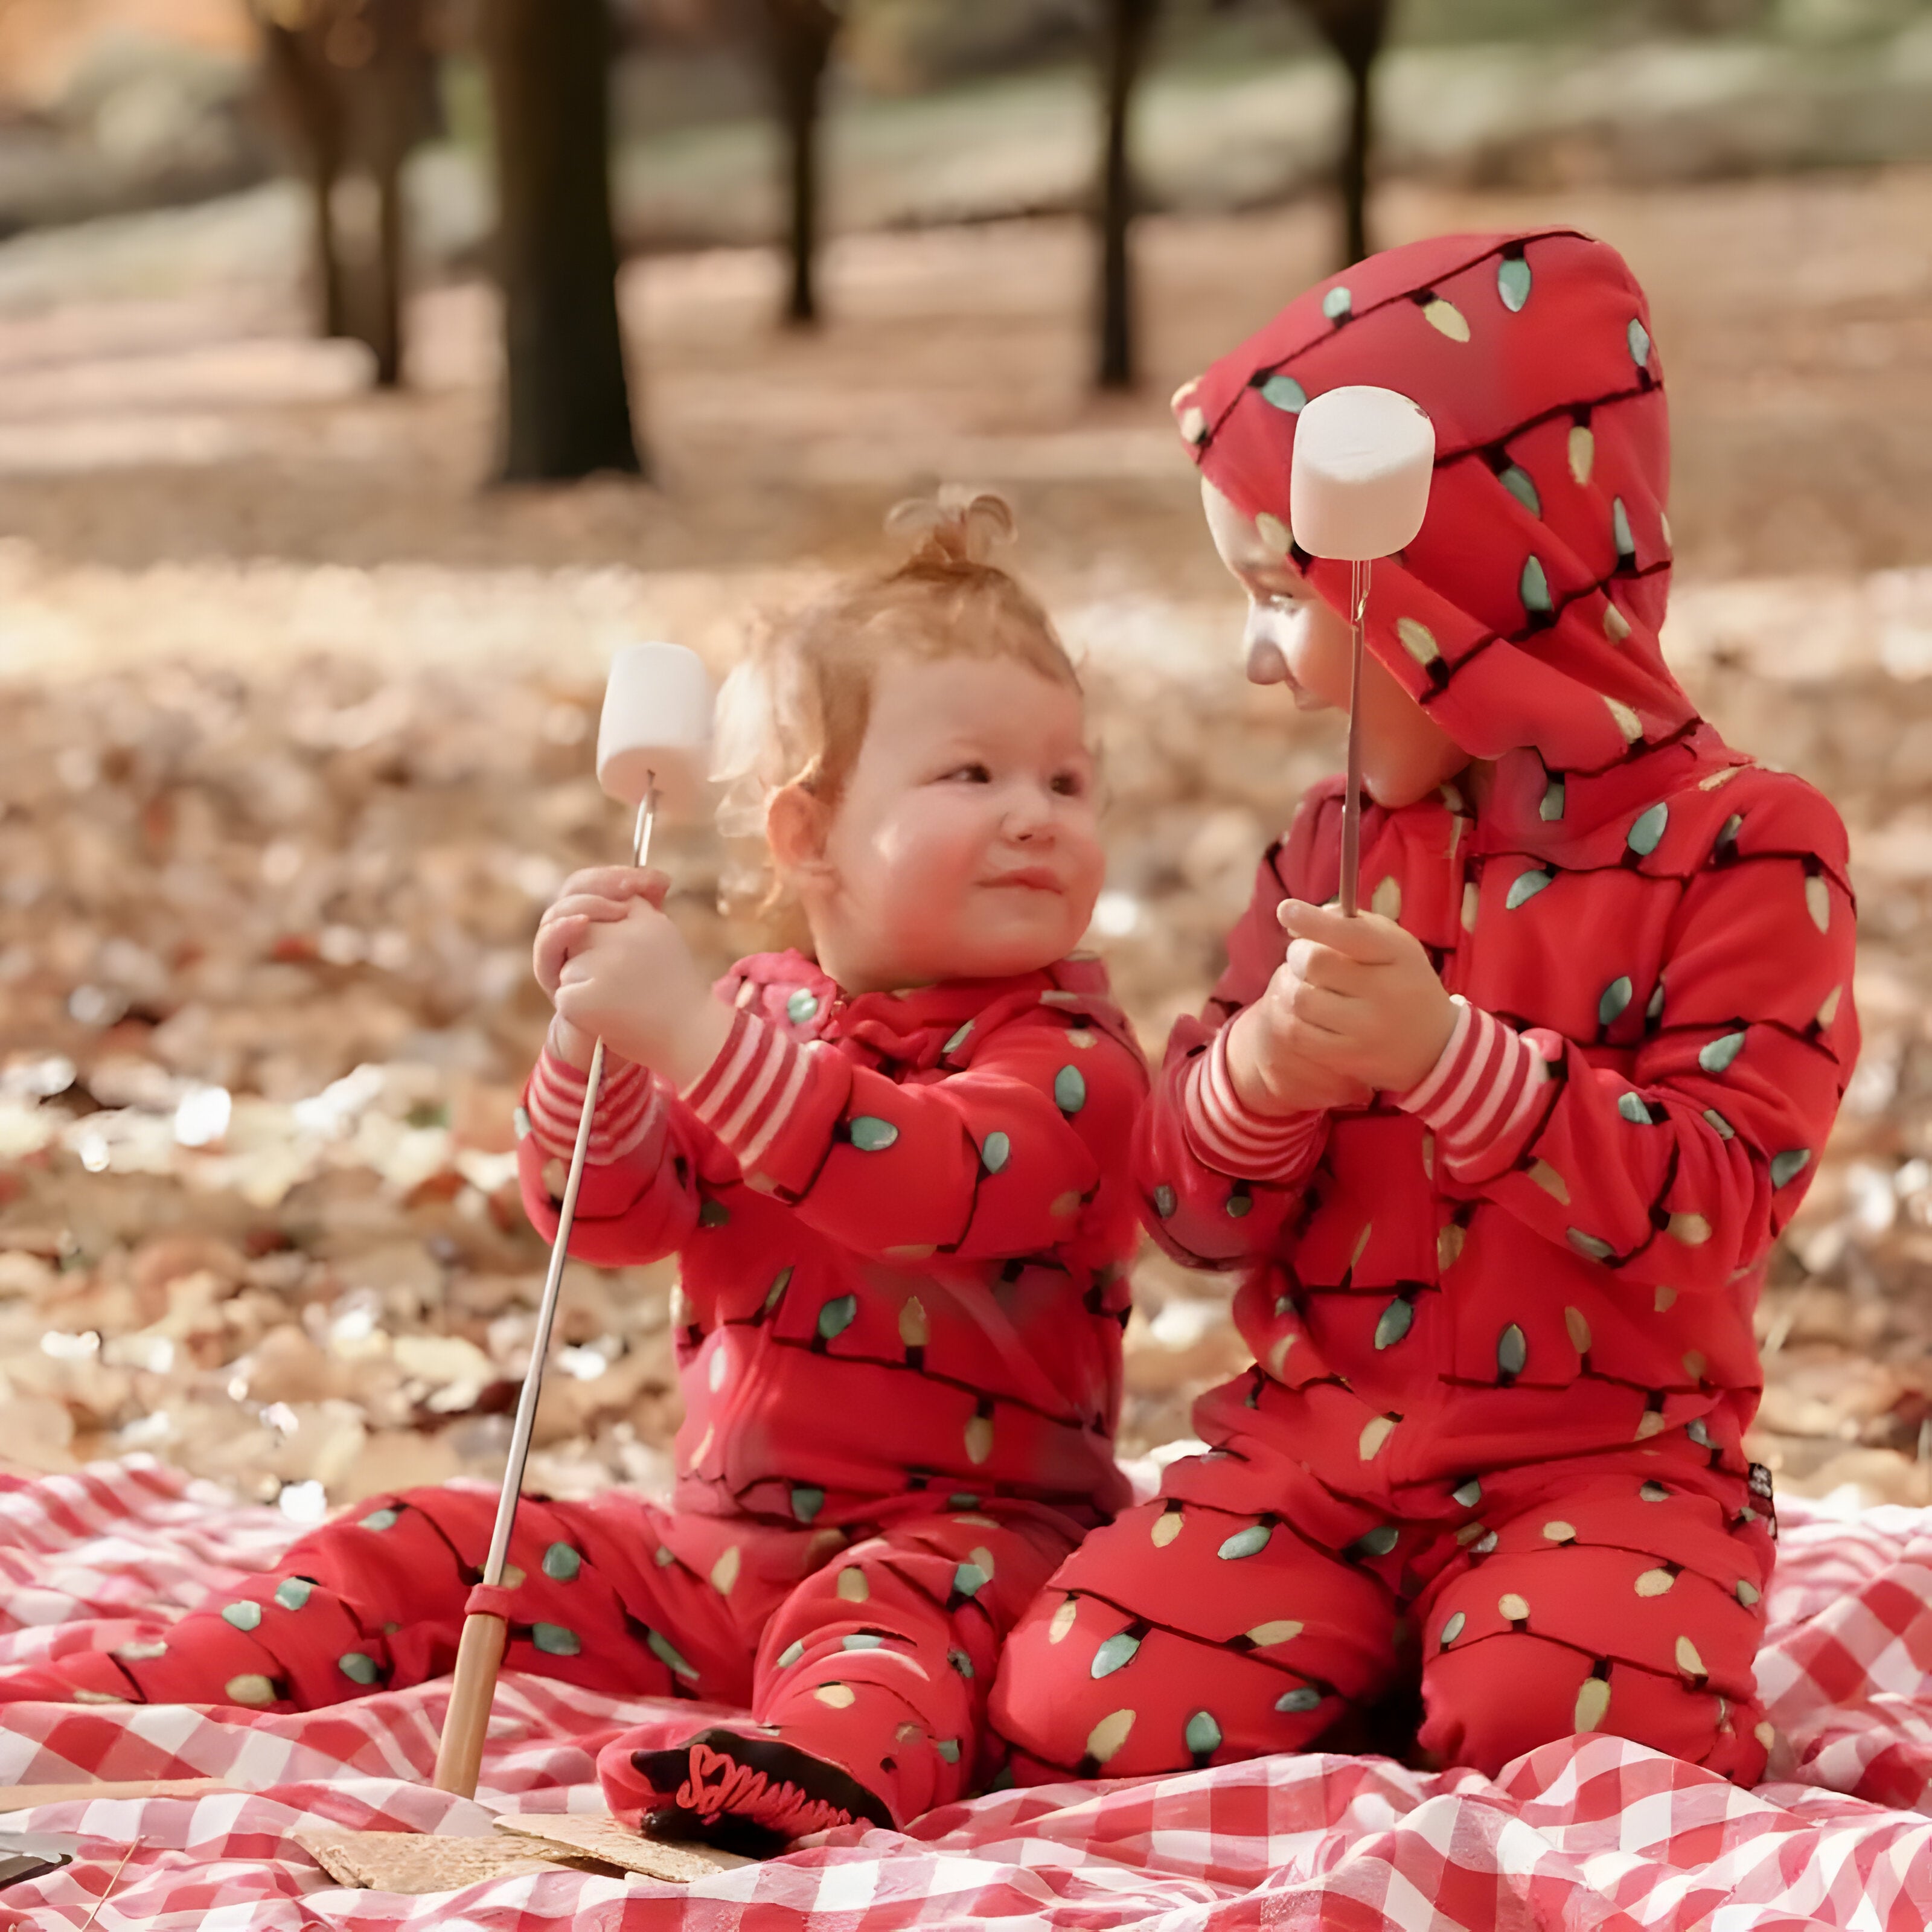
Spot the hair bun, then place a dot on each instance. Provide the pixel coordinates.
(958, 527)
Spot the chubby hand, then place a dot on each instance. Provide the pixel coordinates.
(1355, 1000)
(1270, 1074)
(599, 892)
(616, 968)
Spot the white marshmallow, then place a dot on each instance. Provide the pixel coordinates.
(1363, 459)
(656, 726)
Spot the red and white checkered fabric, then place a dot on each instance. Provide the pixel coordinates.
(1591, 1832)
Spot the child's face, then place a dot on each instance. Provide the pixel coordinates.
(1295, 637)
(965, 845)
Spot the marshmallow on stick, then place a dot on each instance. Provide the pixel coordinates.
(1358, 489)
(653, 748)
(655, 732)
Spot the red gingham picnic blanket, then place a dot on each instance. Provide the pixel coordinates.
(1590, 1833)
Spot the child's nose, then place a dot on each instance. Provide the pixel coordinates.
(1271, 631)
(1266, 665)
(1029, 812)
(1278, 620)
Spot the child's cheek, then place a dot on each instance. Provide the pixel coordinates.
(1087, 870)
(1318, 657)
(932, 857)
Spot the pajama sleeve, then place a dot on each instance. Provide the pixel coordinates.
(998, 1158)
(1682, 1173)
(638, 1199)
(1216, 1180)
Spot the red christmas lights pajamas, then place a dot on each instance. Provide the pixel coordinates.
(1502, 1322)
(901, 1221)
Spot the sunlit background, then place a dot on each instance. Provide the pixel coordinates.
(305, 603)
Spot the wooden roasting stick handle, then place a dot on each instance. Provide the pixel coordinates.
(479, 1656)
(459, 1756)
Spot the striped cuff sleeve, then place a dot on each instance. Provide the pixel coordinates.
(1226, 1134)
(747, 1092)
(629, 1106)
(1484, 1094)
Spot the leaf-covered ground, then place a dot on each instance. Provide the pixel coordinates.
(295, 742)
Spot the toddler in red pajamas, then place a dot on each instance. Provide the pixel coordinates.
(895, 1175)
(1501, 1159)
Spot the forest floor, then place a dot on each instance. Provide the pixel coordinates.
(294, 725)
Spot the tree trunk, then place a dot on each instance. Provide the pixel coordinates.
(331, 301)
(1354, 166)
(302, 102)
(1355, 29)
(1127, 29)
(387, 334)
(799, 38)
(567, 410)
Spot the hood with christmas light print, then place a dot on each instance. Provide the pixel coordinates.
(1525, 615)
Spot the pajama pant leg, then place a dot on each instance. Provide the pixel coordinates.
(882, 1662)
(375, 1600)
(1185, 1635)
(1624, 1607)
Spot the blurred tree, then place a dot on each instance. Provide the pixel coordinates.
(798, 38)
(915, 46)
(1710, 16)
(567, 406)
(792, 41)
(1355, 29)
(352, 83)
(1126, 30)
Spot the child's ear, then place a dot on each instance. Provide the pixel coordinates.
(795, 823)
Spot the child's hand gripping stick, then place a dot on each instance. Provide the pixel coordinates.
(653, 749)
(1358, 489)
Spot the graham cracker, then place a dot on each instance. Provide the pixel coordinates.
(415, 1862)
(598, 1835)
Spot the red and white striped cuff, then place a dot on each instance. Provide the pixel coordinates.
(1482, 1095)
(747, 1093)
(629, 1104)
(1228, 1135)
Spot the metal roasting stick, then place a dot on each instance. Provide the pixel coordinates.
(459, 1755)
(1351, 802)
(1358, 488)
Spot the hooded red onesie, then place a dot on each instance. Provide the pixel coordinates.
(1502, 1323)
(901, 1220)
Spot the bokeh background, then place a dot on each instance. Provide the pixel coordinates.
(633, 322)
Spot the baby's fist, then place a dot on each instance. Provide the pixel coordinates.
(628, 978)
(1364, 999)
(598, 894)
(1272, 1075)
